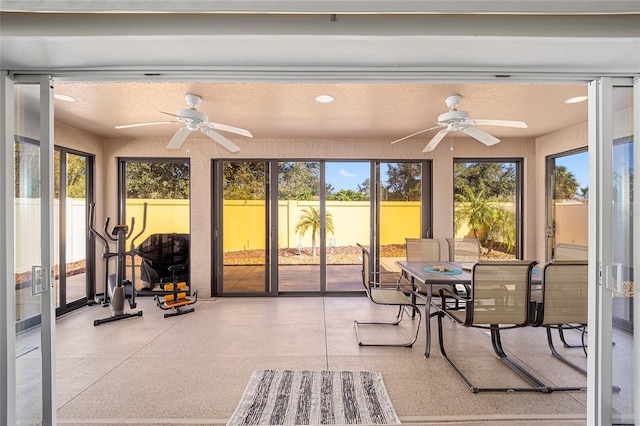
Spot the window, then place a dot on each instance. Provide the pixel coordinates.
(487, 205)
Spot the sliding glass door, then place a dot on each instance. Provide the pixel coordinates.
(568, 200)
(300, 226)
(347, 222)
(400, 210)
(614, 378)
(72, 189)
(161, 232)
(488, 205)
(243, 223)
(312, 223)
(28, 370)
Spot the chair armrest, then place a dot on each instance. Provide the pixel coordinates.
(379, 284)
(451, 295)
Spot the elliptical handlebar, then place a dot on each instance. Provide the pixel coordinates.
(106, 230)
(144, 226)
(132, 250)
(94, 231)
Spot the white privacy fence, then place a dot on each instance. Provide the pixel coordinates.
(27, 232)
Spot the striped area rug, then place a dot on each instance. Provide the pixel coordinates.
(288, 397)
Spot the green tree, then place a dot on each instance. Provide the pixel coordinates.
(158, 180)
(299, 181)
(310, 219)
(501, 227)
(364, 188)
(244, 180)
(495, 179)
(472, 209)
(403, 182)
(76, 176)
(566, 184)
(346, 195)
(584, 192)
(489, 221)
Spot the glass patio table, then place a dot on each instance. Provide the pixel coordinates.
(422, 272)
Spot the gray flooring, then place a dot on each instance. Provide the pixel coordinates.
(192, 369)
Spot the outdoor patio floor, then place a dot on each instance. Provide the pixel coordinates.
(192, 369)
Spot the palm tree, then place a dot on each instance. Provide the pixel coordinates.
(483, 216)
(501, 227)
(566, 183)
(472, 209)
(310, 218)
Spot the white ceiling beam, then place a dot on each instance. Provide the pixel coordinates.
(543, 7)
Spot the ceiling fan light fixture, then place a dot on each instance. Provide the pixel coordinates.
(324, 99)
(576, 99)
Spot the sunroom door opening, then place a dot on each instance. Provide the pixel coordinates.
(160, 235)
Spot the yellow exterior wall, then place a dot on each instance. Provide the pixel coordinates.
(399, 220)
(244, 225)
(163, 217)
(243, 219)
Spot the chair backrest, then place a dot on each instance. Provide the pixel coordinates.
(367, 274)
(564, 293)
(423, 249)
(500, 293)
(463, 249)
(570, 252)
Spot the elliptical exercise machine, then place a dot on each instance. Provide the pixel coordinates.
(116, 287)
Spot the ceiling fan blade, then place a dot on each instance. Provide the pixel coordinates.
(435, 140)
(169, 113)
(221, 139)
(151, 123)
(503, 123)
(414, 134)
(480, 135)
(230, 129)
(178, 138)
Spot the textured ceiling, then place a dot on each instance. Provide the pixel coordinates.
(288, 110)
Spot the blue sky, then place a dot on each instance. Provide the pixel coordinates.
(578, 164)
(347, 175)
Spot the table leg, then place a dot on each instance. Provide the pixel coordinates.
(427, 323)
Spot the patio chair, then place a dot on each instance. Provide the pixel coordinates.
(570, 252)
(564, 304)
(500, 299)
(384, 295)
(563, 252)
(424, 249)
(463, 249)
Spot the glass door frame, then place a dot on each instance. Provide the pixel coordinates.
(8, 386)
(90, 248)
(600, 361)
(217, 229)
(550, 186)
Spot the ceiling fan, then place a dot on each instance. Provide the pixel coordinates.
(459, 120)
(195, 120)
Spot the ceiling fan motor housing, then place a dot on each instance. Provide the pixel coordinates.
(453, 116)
(192, 114)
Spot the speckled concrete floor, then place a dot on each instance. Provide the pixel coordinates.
(192, 369)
